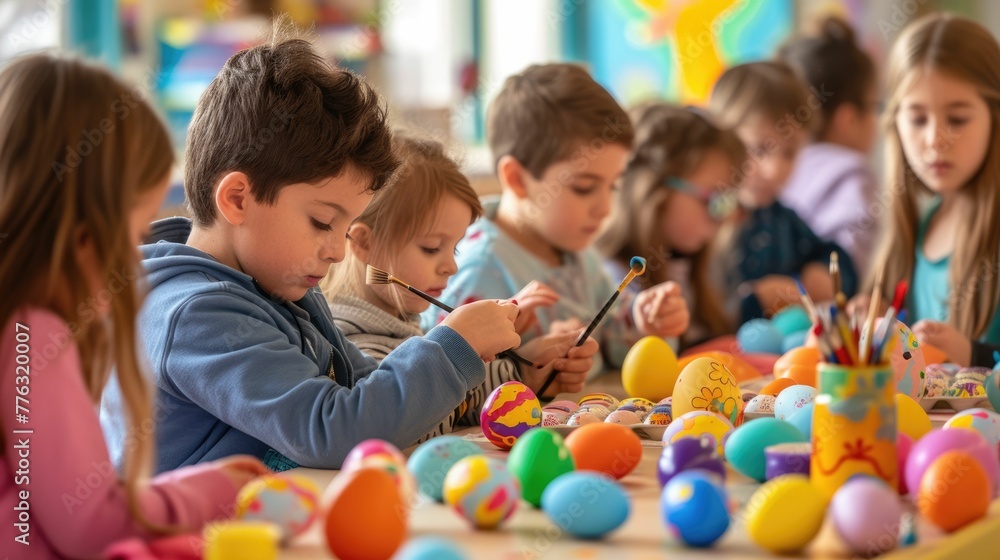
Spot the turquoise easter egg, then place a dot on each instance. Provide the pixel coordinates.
(792, 319)
(745, 446)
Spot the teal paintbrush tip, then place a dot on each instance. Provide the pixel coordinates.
(638, 265)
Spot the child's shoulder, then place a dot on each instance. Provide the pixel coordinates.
(34, 321)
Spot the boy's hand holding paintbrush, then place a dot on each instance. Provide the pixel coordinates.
(558, 352)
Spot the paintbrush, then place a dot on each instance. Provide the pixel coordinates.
(867, 336)
(637, 266)
(378, 276)
(838, 294)
(807, 302)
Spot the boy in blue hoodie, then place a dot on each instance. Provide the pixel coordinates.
(283, 154)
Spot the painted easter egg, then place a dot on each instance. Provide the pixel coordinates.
(509, 411)
(695, 508)
(482, 490)
(792, 399)
(759, 407)
(643, 406)
(802, 419)
(291, 502)
(707, 384)
(599, 399)
(694, 424)
(386, 456)
(986, 422)
(689, 453)
(866, 514)
(587, 505)
(798, 364)
(432, 460)
(623, 417)
(611, 449)
(908, 363)
(785, 513)
(661, 415)
(539, 457)
(741, 369)
(650, 369)
(758, 336)
(775, 387)
(366, 493)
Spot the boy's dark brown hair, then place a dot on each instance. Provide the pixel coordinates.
(769, 89)
(832, 63)
(547, 111)
(280, 114)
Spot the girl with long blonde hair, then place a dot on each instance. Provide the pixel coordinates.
(943, 184)
(84, 166)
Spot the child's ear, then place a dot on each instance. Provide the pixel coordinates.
(511, 174)
(233, 196)
(361, 241)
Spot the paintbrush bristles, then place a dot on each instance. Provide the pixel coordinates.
(378, 276)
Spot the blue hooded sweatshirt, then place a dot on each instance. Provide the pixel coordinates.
(238, 371)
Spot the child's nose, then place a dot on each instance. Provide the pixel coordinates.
(333, 250)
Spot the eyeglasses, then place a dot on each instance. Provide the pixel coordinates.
(719, 203)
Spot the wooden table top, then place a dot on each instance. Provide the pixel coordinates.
(529, 535)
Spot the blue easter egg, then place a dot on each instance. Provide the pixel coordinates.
(791, 319)
(760, 337)
(430, 548)
(586, 504)
(793, 341)
(791, 399)
(694, 507)
(803, 419)
(430, 462)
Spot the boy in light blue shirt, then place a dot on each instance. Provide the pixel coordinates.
(559, 142)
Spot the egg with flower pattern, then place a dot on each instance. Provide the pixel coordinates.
(707, 384)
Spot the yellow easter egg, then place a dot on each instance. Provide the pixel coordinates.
(650, 369)
(910, 418)
(707, 384)
(785, 514)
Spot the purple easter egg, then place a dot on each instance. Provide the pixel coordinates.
(787, 458)
(689, 453)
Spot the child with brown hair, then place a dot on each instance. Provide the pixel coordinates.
(765, 246)
(84, 166)
(942, 172)
(832, 187)
(284, 152)
(410, 230)
(560, 143)
(671, 199)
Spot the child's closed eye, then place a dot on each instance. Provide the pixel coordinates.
(320, 225)
(430, 250)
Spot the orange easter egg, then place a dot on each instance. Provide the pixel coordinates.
(777, 386)
(741, 369)
(954, 491)
(801, 375)
(365, 515)
(801, 356)
(612, 449)
(933, 354)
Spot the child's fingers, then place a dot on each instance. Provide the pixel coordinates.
(572, 382)
(585, 350)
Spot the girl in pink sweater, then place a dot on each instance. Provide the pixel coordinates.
(84, 166)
